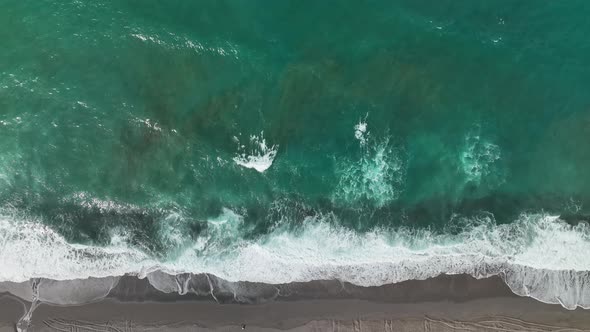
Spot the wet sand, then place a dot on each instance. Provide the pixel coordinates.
(445, 303)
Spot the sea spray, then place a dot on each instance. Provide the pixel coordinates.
(257, 154)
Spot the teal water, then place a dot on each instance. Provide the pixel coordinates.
(140, 121)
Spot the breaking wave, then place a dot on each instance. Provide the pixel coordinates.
(538, 255)
(259, 156)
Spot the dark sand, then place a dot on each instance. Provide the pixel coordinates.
(445, 303)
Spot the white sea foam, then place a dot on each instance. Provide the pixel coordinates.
(360, 132)
(222, 231)
(538, 255)
(376, 176)
(29, 249)
(172, 230)
(479, 156)
(258, 155)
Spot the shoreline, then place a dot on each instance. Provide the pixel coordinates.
(443, 303)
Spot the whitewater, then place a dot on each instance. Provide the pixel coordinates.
(538, 256)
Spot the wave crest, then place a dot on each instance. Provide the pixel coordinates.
(260, 156)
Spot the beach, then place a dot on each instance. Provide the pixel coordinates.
(445, 303)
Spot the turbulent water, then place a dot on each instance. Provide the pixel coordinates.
(285, 141)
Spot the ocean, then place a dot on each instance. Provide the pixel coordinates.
(288, 141)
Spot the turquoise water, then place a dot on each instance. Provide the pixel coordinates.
(209, 126)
